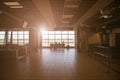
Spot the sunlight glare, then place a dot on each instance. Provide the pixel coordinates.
(42, 29)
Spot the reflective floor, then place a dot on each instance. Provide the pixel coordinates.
(60, 64)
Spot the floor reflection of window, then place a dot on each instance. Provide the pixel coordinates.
(49, 37)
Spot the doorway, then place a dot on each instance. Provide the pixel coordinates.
(117, 38)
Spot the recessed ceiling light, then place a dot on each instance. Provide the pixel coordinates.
(70, 0)
(11, 3)
(103, 26)
(16, 6)
(0, 12)
(71, 4)
(67, 16)
(65, 22)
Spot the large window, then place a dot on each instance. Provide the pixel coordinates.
(2, 37)
(18, 37)
(49, 37)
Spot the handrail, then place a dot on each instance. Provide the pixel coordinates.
(104, 51)
(101, 46)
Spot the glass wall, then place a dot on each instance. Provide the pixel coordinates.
(2, 37)
(15, 37)
(50, 37)
(18, 37)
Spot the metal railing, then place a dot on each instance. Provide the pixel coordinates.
(105, 52)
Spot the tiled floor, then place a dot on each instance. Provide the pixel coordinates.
(61, 64)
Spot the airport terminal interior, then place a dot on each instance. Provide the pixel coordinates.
(59, 39)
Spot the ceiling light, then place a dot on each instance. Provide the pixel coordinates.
(65, 22)
(103, 26)
(70, 0)
(67, 16)
(0, 12)
(105, 16)
(25, 23)
(16, 6)
(11, 3)
(71, 6)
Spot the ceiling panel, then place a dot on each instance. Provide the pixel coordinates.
(113, 10)
(28, 13)
(66, 13)
(63, 7)
(58, 7)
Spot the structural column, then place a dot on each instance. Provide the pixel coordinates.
(82, 39)
(77, 39)
(33, 40)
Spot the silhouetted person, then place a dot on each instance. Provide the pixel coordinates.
(63, 45)
(67, 46)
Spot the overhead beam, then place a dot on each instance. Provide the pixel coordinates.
(100, 4)
(45, 9)
(109, 21)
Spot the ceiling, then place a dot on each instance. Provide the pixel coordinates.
(59, 13)
(14, 17)
(109, 16)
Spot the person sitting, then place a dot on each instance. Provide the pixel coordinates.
(62, 45)
(55, 45)
(51, 45)
(67, 46)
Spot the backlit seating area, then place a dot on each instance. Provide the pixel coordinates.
(59, 45)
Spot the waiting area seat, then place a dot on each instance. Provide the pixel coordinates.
(12, 52)
(54, 46)
(57, 45)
